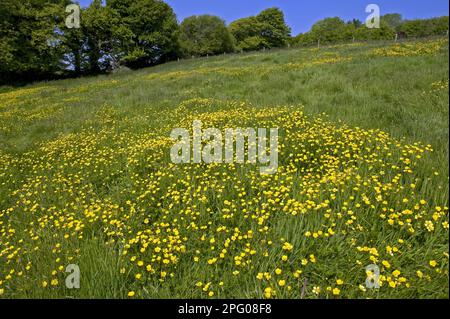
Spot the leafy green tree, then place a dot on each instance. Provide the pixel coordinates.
(393, 20)
(329, 30)
(425, 27)
(303, 39)
(153, 31)
(9, 12)
(104, 35)
(384, 32)
(31, 41)
(274, 28)
(74, 41)
(267, 30)
(440, 26)
(334, 30)
(355, 23)
(247, 32)
(205, 34)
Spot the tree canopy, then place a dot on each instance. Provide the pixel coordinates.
(203, 35)
(152, 29)
(335, 30)
(30, 38)
(393, 20)
(266, 30)
(424, 28)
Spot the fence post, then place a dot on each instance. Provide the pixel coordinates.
(396, 37)
(318, 43)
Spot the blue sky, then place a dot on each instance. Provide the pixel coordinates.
(301, 14)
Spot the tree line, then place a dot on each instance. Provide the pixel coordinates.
(36, 44)
(335, 30)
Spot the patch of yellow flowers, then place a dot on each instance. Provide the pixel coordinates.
(246, 70)
(343, 198)
(411, 49)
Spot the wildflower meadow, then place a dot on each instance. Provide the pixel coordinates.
(360, 192)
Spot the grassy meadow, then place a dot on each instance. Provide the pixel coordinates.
(86, 179)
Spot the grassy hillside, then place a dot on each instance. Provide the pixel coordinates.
(86, 179)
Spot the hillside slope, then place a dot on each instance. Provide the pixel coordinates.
(86, 178)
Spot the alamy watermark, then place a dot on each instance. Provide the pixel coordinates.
(211, 146)
(373, 277)
(373, 19)
(73, 19)
(73, 279)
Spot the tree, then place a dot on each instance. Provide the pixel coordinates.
(104, 35)
(355, 23)
(329, 30)
(384, 32)
(303, 39)
(439, 25)
(74, 41)
(31, 45)
(425, 28)
(205, 34)
(274, 28)
(247, 32)
(267, 30)
(153, 30)
(393, 20)
(9, 10)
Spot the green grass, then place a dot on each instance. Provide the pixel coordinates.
(99, 145)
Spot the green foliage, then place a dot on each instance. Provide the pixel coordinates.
(30, 46)
(335, 30)
(275, 30)
(203, 35)
(355, 23)
(103, 31)
(424, 28)
(153, 27)
(329, 30)
(393, 20)
(247, 32)
(8, 35)
(267, 30)
(384, 32)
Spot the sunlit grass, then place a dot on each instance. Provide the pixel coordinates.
(86, 179)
